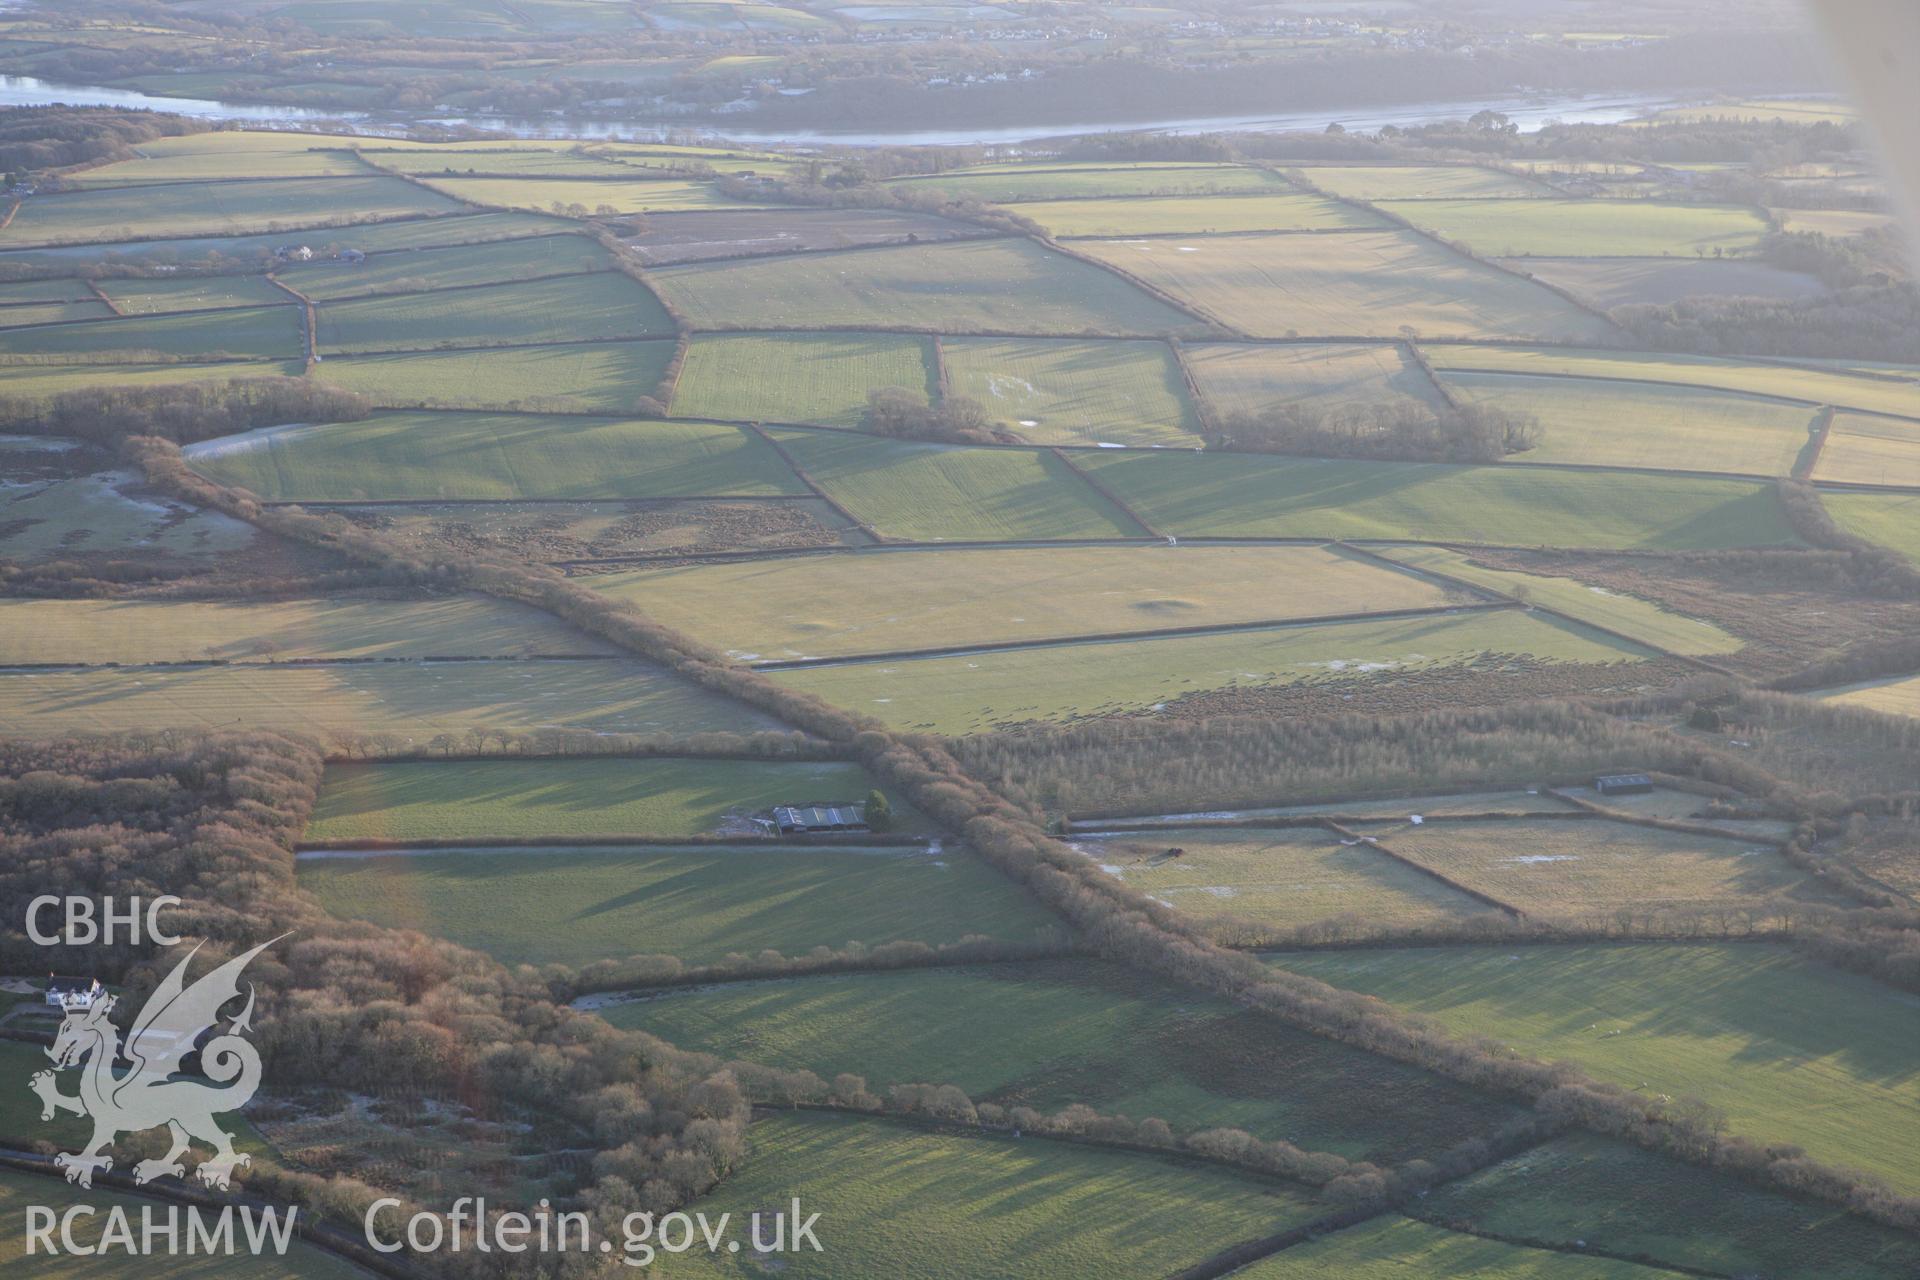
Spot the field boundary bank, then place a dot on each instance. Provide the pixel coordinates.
(976, 231)
(1098, 486)
(377, 295)
(1117, 637)
(1253, 233)
(309, 322)
(1375, 843)
(319, 1234)
(1809, 460)
(1185, 306)
(99, 293)
(800, 473)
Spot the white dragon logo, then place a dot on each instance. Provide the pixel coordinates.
(147, 1095)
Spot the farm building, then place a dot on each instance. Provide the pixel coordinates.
(1623, 784)
(73, 993)
(806, 819)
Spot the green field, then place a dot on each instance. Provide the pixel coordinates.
(1624, 424)
(1620, 1198)
(1193, 215)
(35, 381)
(1791, 1050)
(1241, 378)
(193, 293)
(455, 266)
(1891, 519)
(199, 208)
(471, 799)
(32, 313)
(1077, 1031)
(20, 1190)
(1817, 386)
(896, 1200)
(257, 250)
(1041, 182)
(821, 378)
(588, 377)
(259, 333)
(1587, 228)
(1590, 870)
(572, 906)
(1221, 496)
(1395, 1248)
(1285, 879)
(882, 602)
(1863, 449)
(1419, 181)
(136, 631)
(1012, 286)
(1648, 623)
(1375, 283)
(639, 196)
(1058, 391)
(943, 493)
(210, 163)
(1070, 682)
(406, 701)
(473, 455)
(571, 309)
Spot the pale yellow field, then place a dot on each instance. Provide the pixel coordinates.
(1247, 378)
(879, 602)
(1863, 449)
(1899, 696)
(1367, 283)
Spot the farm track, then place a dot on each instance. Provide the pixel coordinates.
(1113, 637)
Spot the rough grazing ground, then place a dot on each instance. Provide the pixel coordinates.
(572, 906)
(822, 378)
(1789, 1049)
(1626, 1200)
(1074, 682)
(469, 799)
(1078, 1031)
(846, 604)
(1055, 391)
(1369, 282)
(545, 532)
(1219, 496)
(443, 455)
(694, 237)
